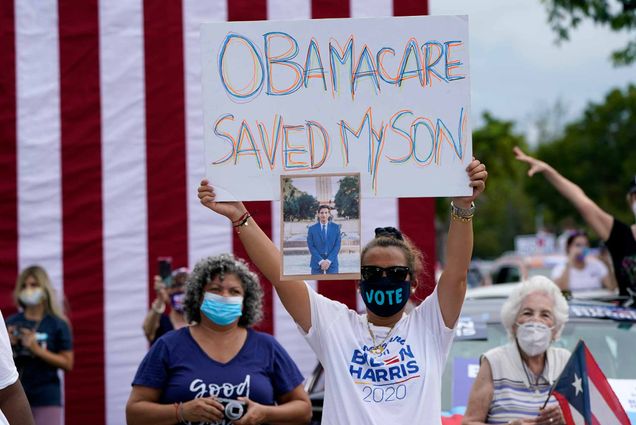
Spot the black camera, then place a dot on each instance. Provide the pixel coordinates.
(19, 350)
(232, 409)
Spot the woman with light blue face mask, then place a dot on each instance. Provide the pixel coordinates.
(218, 369)
(384, 366)
(514, 380)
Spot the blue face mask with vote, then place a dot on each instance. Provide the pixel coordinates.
(385, 296)
(222, 310)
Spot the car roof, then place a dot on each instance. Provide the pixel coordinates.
(488, 310)
(503, 290)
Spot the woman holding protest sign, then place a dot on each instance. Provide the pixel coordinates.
(218, 369)
(383, 366)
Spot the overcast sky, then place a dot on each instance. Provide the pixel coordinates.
(517, 70)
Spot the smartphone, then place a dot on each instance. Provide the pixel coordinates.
(165, 270)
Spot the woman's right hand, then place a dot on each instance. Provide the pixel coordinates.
(207, 197)
(204, 409)
(13, 338)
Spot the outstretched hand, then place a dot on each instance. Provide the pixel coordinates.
(477, 174)
(207, 197)
(536, 166)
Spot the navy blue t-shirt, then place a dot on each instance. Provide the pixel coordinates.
(39, 379)
(165, 326)
(262, 370)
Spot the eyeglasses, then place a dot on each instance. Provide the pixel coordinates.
(396, 273)
(390, 232)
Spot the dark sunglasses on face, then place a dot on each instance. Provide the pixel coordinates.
(396, 273)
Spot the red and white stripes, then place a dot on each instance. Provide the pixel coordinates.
(101, 152)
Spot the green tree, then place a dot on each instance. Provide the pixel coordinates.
(307, 206)
(297, 205)
(504, 210)
(347, 198)
(597, 153)
(618, 15)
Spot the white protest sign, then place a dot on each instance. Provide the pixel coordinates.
(388, 98)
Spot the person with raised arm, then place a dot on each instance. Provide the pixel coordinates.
(619, 238)
(384, 366)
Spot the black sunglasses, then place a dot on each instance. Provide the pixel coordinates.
(396, 273)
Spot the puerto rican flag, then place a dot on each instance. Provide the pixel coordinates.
(585, 396)
(101, 153)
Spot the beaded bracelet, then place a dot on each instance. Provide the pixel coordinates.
(244, 222)
(176, 411)
(180, 417)
(241, 218)
(462, 214)
(460, 218)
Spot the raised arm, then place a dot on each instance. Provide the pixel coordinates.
(151, 322)
(459, 249)
(264, 254)
(599, 220)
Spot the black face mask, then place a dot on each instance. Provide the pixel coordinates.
(384, 296)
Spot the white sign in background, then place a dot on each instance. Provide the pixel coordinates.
(388, 98)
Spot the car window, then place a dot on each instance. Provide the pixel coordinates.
(612, 344)
(540, 271)
(507, 274)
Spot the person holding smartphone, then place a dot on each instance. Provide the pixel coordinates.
(582, 272)
(40, 336)
(169, 287)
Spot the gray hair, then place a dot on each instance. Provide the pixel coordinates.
(510, 308)
(209, 268)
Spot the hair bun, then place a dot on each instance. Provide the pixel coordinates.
(388, 232)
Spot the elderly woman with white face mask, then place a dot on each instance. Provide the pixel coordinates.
(514, 379)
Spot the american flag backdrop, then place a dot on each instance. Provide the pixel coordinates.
(101, 153)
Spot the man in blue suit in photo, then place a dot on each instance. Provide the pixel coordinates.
(323, 241)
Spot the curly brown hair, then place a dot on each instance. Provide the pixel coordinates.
(209, 268)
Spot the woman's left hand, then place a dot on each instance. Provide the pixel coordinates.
(477, 174)
(551, 416)
(27, 339)
(255, 414)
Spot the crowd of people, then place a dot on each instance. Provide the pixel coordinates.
(206, 363)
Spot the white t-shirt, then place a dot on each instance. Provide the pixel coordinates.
(8, 372)
(401, 385)
(585, 279)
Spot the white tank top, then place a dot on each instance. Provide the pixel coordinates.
(514, 395)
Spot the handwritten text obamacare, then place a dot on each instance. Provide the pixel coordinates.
(280, 68)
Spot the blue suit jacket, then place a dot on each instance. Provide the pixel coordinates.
(324, 249)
